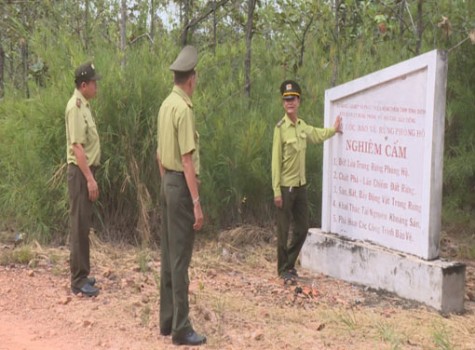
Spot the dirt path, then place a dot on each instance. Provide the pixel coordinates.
(235, 300)
(37, 311)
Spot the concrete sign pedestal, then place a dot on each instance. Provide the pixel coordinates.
(382, 183)
(439, 284)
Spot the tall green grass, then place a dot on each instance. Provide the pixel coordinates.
(236, 132)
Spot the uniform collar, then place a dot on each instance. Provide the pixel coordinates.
(288, 122)
(183, 95)
(80, 96)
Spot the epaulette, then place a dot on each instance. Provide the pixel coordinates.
(279, 124)
(78, 103)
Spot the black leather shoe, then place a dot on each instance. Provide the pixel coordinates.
(192, 338)
(91, 281)
(165, 331)
(288, 278)
(293, 272)
(87, 290)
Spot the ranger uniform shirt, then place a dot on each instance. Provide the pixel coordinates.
(176, 132)
(81, 129)
(288, 151)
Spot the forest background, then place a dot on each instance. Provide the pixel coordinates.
(246, 49)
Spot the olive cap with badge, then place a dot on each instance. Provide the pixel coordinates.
(290, 89)
(186, 60)
(86, 72)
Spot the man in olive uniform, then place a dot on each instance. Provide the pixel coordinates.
(83, 156)
(291, 135)
(179, 163)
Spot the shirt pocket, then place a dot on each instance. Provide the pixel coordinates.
(91, 129)
(291, 147)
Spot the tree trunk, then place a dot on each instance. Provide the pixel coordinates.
(215, 23)
(420, 26)
(336, 58)
(249, 33)
(186, 22)
(402, 7)
(302, 42)
(86, 25)
(24, 64)
(123, 21)
(2, 70)
(152, 20)
(11, 71)
(210, 8)
(77, 21)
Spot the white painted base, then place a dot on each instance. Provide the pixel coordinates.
(439, 284)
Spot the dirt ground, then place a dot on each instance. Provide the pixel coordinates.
(235, 300)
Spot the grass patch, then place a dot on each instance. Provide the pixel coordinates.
(441, 338)
(22, 255)
(54, 259)
(143, 260)
(467, 250)
(348, 318)
(156, 278)
(145, 315)
(389, 334)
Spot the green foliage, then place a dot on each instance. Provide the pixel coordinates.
(143, 260)
(145, 314)
(22, 255)
(441, 337)
(30, 133)
(299, 39)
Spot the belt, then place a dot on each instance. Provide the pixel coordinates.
(174, 172)
(291, 188)
(92, 167)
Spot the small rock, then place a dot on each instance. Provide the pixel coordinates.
(87, 323)
(207, 316)
(258, 336)
(31, 273)
(19, 238)
(226, 254)
(212, 273)
(65, 300)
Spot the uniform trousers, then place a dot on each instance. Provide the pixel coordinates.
(294, 207)
(176, 247)
(80, 218)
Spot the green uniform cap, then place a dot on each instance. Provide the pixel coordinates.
(86, 72)
(186, 60)
(290, 89)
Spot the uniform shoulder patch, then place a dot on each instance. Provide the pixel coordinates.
(279, 124)
(78, 103)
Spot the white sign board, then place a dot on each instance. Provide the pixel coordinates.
(382, 177)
